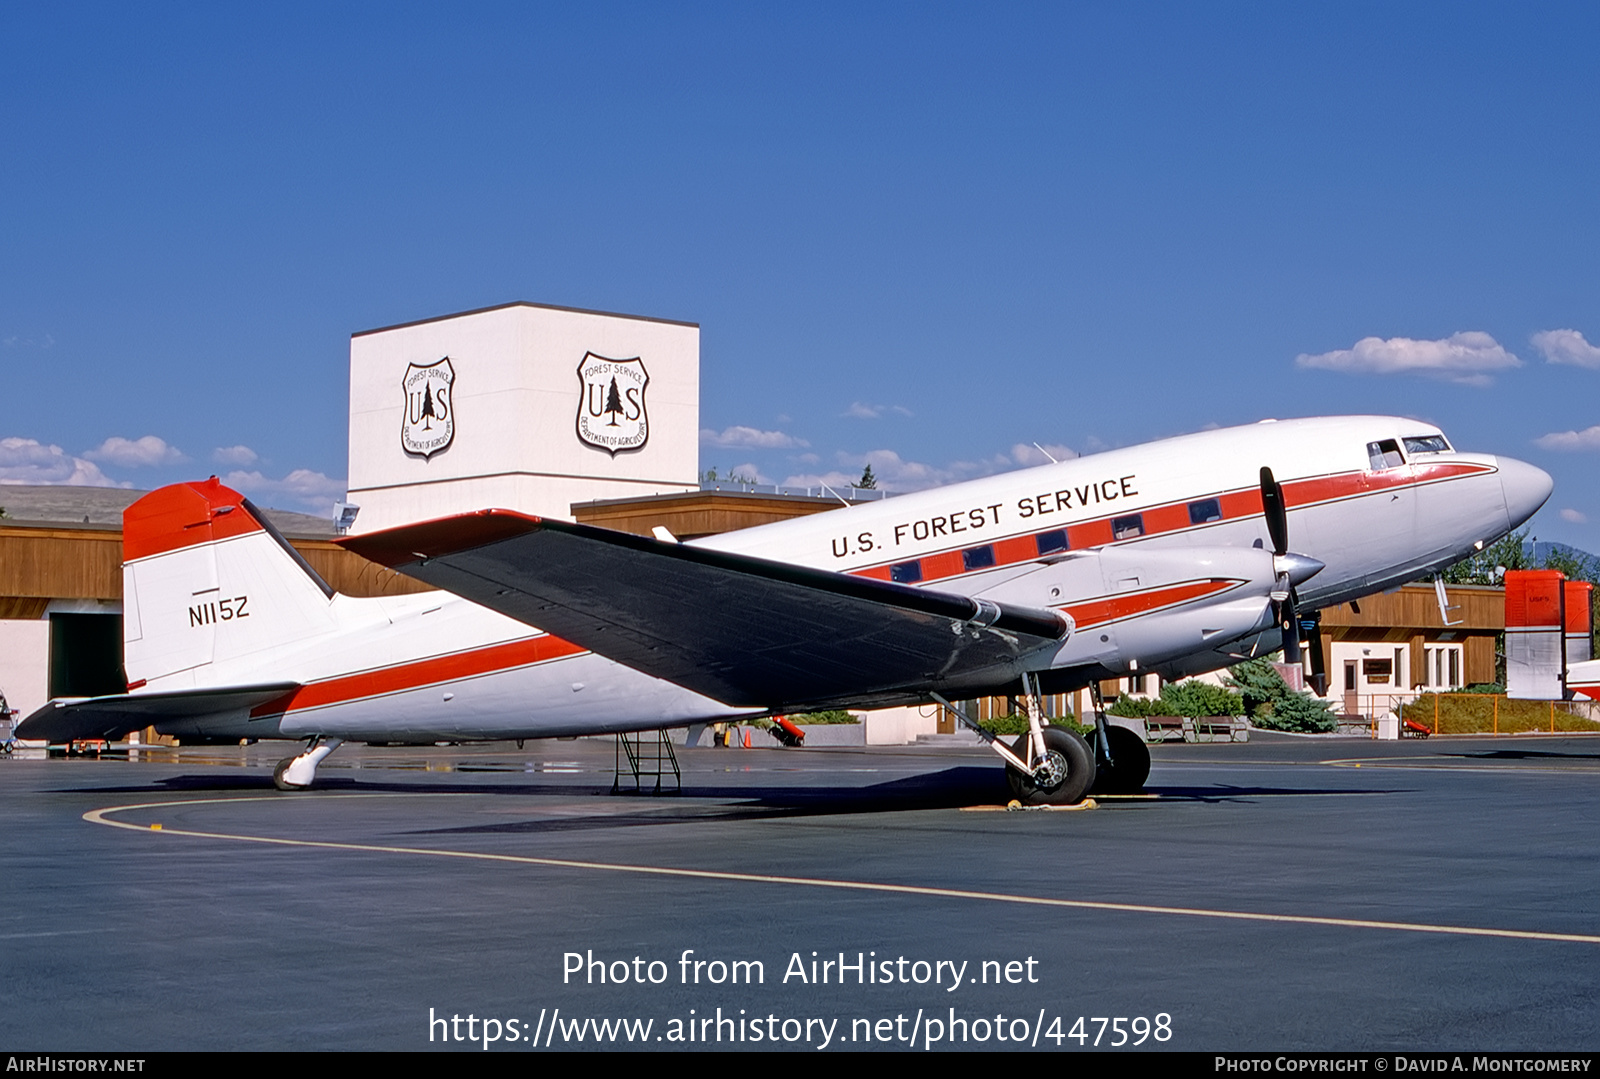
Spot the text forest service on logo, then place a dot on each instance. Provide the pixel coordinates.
(611, 413)
(429, 422)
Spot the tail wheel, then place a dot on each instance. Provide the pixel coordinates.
(1070, 764)
(1130, 762)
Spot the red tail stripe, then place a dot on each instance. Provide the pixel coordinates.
(183, 515)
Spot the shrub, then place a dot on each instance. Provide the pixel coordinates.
(1195, 698)
(1477, 713)
(1138, 707)
(823, 718)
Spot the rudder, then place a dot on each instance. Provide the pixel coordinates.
(207, 581)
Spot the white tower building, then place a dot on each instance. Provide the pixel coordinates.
(523, 407)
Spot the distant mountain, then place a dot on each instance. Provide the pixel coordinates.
(1540, 553)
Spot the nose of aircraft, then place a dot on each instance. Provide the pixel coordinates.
(1526, 488)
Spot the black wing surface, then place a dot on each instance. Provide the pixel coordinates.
(68, 719)
(744, 631)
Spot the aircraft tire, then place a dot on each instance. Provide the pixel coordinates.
(1078, 764)
(277, 776)
(1130, 762)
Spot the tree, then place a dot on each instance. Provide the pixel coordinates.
(1270, 703)
(1489, 565)
(867, 482)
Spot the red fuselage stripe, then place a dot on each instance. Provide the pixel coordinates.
(424, 672)
(1098, 612)
(1173, 517)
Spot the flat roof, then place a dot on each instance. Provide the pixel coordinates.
(101, 507)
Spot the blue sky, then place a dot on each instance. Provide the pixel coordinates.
(920, 235)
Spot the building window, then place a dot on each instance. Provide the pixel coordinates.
(977, 558)
(1205, 511)
(1051, 542)
(906, 572)
(1129, 527)
(1442, 666)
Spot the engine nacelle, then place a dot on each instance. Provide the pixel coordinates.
(1136, 608)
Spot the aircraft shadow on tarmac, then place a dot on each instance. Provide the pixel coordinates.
(1525, 754)
(950, 788)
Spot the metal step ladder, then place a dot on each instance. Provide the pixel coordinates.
(650, 755)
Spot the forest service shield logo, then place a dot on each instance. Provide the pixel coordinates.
(429, 422)
(611, 413)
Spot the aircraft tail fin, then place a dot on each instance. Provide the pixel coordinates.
(206, 581)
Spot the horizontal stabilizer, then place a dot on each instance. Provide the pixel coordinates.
(744, 631)
(68, 718)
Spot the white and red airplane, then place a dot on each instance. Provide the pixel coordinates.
(1173, 557)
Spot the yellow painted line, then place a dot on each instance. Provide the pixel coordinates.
(1410, 764)
(100, 816)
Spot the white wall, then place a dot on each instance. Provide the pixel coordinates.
(25, 663)
(516, 398)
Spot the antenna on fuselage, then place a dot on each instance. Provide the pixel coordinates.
(1047, 453)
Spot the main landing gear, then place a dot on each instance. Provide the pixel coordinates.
(297, 773)
(1057, 767)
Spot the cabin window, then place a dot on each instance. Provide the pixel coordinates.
(977, 558)
(906, 572)
(1427, 444)
(1128, 527)
(1385, 454)
(1205, 511)
(1051, 542)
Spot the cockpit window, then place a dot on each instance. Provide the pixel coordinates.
(1427, 444)
(1385, 454)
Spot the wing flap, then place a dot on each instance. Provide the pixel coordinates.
(68, 719)
(742, 630)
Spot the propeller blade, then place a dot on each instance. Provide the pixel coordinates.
(1276, 513)
(1319, 667)
(1289, 623)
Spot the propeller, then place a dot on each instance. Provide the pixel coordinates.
(1291, 569)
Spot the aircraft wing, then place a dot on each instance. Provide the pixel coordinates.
(744, 631)
(69, 718)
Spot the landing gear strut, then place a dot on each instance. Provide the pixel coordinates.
(297, 773)
(1121, 759)
(1046, 766)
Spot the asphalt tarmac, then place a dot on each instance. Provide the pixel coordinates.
(1291, 894)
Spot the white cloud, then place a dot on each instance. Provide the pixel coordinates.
(18, 341)
(751, 438)
(893, 472)
(898, 475)
(1566, 346)
(1574, 516)
(26, 460)
(309, 490)
(1587, 439)
(234, 455)
(136, 453)
(859, 411)
(1465, 357)
(1027, 455)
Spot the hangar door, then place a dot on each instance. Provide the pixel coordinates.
(86, 655)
